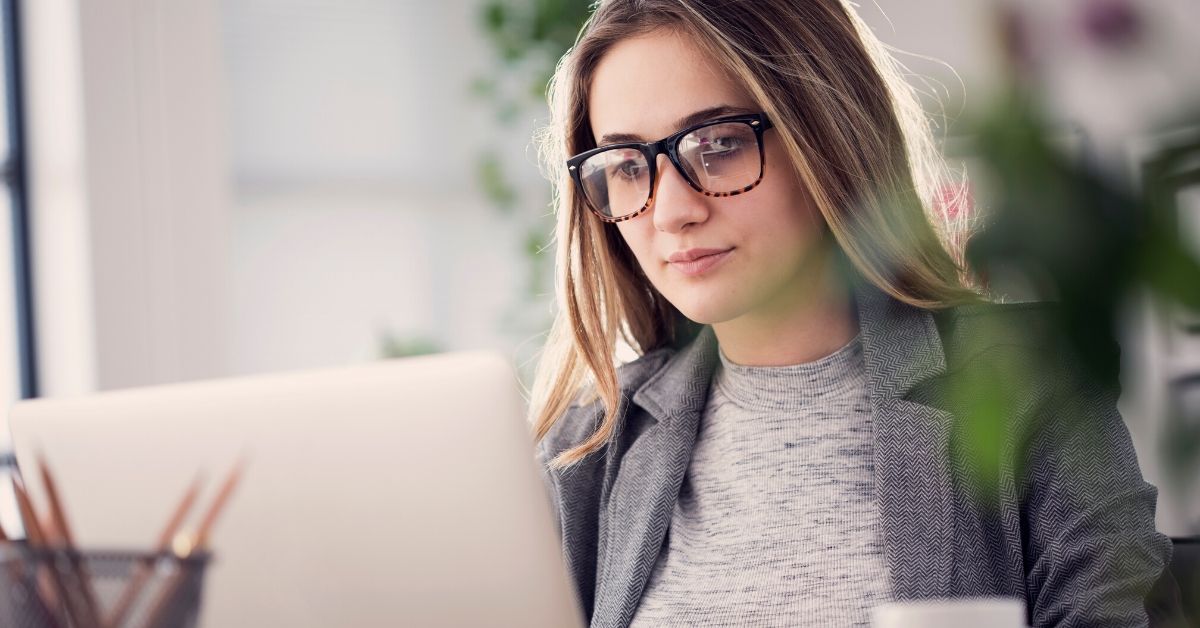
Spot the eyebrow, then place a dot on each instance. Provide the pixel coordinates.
(703, 115)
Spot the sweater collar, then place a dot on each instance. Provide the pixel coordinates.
(792, 388)
(900, 344)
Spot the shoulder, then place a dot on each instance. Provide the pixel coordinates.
(982, 326)
(1026, 361)
(1036, 428)
(1011, 334)
(583, 417)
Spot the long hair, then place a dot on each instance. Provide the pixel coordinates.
(855, 135)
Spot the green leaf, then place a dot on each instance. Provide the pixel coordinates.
(392, 346)
(496, 188)
(483, 87)
(495, 16)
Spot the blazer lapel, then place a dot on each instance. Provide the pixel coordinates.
(901, 348)
(913, 484)
(647, 481)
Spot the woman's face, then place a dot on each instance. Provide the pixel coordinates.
(643, 87)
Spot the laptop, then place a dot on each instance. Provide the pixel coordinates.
(396, 493)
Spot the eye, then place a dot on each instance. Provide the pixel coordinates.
(629, 169)
(723, 146)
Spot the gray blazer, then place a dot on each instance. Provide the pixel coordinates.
(1072, 535)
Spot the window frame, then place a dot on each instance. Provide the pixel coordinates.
(14, 175)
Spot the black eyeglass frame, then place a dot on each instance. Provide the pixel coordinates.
(669, 145)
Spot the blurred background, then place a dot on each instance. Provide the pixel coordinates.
(210, 188)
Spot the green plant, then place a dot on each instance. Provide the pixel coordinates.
(393, 346)
(528, 37)
(1078, 234)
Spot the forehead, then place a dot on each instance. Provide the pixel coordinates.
(644, 85)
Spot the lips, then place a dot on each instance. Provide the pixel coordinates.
(695, 262)
(693, 254)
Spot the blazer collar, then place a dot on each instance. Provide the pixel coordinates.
(901, 348)
(642, 483)
(901, 344)
(913, 484)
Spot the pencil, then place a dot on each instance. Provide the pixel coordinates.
(50, 586)
(36, 608)
(58, 518)
(143, 569)
(199, 541)
(218, 505)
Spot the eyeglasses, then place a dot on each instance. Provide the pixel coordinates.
(722, 157)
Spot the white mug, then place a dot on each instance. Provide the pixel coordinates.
(956, 613)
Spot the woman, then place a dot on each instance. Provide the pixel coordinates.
(743, 203)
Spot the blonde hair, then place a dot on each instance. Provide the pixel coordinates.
(852, 127)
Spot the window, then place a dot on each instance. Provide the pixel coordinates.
(16, 339)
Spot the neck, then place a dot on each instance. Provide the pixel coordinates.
(815, 318)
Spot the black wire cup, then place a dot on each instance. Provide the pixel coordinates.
(60, 588)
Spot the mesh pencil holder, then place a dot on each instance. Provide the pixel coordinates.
(98, 589)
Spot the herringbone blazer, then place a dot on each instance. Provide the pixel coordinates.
(1073, 535)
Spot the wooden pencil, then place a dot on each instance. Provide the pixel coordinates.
(144, 569)
(79, 572)
(218, 505)
(50, 586)
(198, 542)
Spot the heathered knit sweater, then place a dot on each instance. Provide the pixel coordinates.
(776, 522)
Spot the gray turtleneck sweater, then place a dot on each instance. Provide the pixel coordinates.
(776, 522)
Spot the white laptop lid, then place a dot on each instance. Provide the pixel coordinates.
(395, 493)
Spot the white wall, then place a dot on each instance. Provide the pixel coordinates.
(358, 91)
(128, 185)
(324, 273)
(59, 223)
(353, 143)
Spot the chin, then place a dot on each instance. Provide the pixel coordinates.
(703, 304)
(705, 313)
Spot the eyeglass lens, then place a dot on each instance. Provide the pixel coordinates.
(718, 158)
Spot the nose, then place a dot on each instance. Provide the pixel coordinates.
(676, 204)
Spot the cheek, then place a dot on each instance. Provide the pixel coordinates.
(792, 206)
(639, 240)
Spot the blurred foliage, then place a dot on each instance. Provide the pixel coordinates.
(528, 37)
(393, 346)
(518, 29)
(1089, 240)
(1082, 236)
(496, 187)
(1090, 244)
